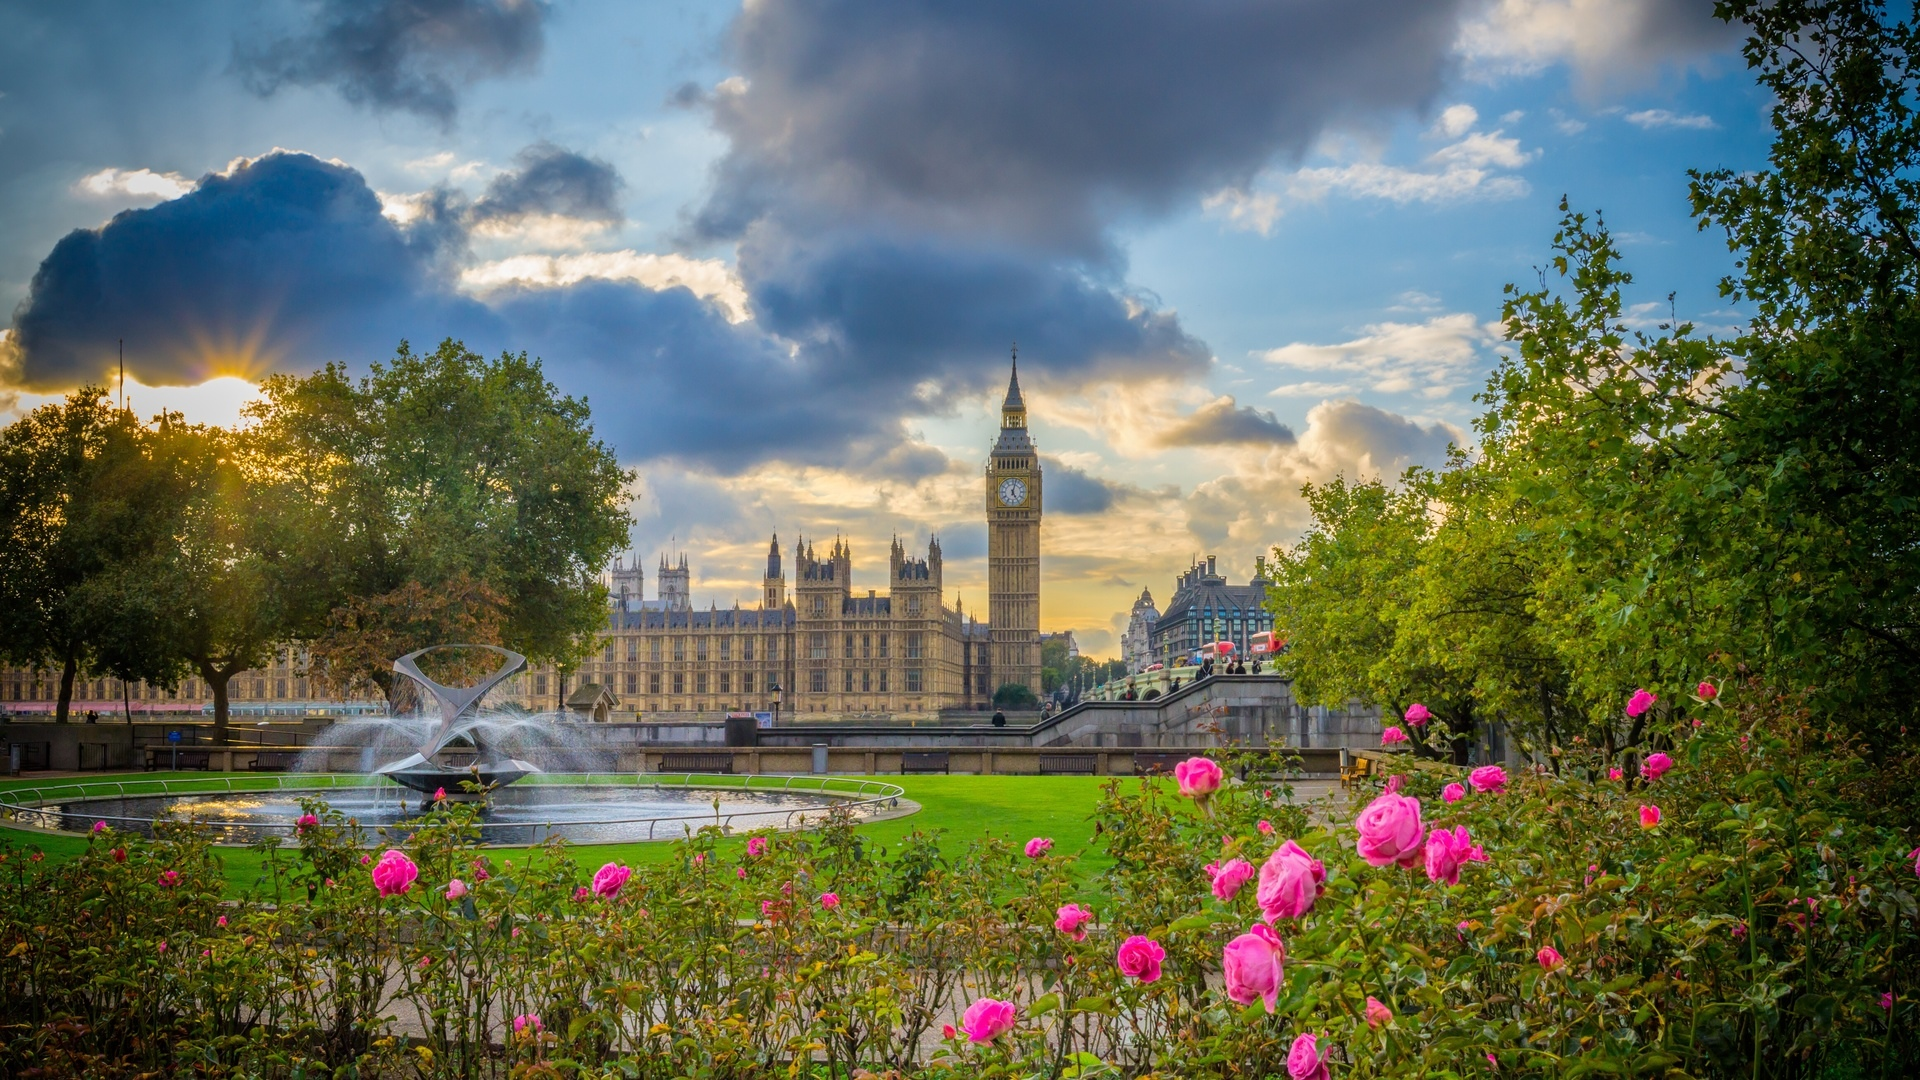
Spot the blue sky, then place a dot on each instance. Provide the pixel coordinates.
(782, 249)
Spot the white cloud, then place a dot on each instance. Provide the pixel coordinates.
(1666, 118)
(1431, 358)
(1456, 120)
(1567, 125)
(709, 279)
(133, 185)
(1605, 41)
(1313, 389)
(1475, 166)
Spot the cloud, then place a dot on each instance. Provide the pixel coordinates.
(1076, 491)
(1666, 118)
(1222, 423)
(1432, 358)
(550, 180)
(133, 185)
(282, 262)
(1607, 42)
(1039, 123)
(1258, 503)
(405, 55)
(709, 279)
(1470, 168)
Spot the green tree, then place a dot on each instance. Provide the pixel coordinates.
(81, 498)
(449, 472)
(1015, 695)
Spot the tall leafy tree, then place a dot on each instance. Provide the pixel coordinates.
(449, 473)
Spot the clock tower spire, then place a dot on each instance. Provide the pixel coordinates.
(1013, 545)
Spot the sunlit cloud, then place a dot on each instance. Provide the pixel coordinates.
(133, 185)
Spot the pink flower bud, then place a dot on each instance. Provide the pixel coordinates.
(1549, 957)
(1649, 816)
(1198, 777)
(1377, 1013)
(1706, 691)
(1452, 793)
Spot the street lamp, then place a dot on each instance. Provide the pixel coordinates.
(776, 704)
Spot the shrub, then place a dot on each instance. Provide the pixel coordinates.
(1762, 927)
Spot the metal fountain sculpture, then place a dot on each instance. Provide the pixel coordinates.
(422, 771)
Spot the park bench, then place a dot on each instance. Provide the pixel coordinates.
(1354, 768)
(273, 760)
(924, 761)
(1068, 764)
(161, 757)
(698, 763)
(1150, 761)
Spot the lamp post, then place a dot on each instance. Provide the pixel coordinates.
(776, 704)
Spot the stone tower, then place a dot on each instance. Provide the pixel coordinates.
(1013, 545)
(773, 589)
(626, 584)
(676, 585)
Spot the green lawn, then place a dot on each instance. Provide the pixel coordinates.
(1016, 807)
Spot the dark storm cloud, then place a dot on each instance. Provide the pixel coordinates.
(1075, 491)
(1042, 121)
(409, 55)
(1222, 423)
(548, 179)
(281, 264)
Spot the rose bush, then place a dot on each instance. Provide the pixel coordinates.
(1766, 927)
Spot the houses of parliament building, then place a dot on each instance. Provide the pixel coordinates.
(816, 646)
(822, 648)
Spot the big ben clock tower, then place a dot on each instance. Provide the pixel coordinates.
(1013, 546)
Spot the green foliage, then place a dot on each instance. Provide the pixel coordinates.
(1751, 933)
(1015, 695)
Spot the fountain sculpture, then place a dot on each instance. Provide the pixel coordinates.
(425, 771)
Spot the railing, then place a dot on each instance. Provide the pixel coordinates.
(848, 793)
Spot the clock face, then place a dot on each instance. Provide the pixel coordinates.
(1013, 491)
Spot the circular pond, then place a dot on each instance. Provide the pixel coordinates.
(612, 810)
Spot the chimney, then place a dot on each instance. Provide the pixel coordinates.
(1210, 570)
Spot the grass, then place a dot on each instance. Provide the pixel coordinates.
(962, 807)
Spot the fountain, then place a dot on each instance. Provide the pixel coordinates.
(568, 794)
(423, 771)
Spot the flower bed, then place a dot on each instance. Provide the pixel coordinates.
(1716, 912)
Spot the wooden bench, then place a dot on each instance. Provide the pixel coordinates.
(1354, 769)
(162, 757)
(1068, 764)
(1146, 762)
(924, 761)
(273, 760)
(696, 763)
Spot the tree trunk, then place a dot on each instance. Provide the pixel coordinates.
(217, 683)
(66, 688)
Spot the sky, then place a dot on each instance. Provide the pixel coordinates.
(784, 248)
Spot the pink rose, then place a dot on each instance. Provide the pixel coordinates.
(1453, 793)
(439, 794)
(394, 873)
(1417, 714)
(986, 1020)
(527, 1025)
(365, 859)
(1198, 777)
(169, 878)
(221, 921)
(1290, 882)
(1615, 773)
(1655, 766)
(581, 893)
(757, 846)
(1228, 879)
(1488, 779)
(1915, 856)
(1447, 851)
(948, 1031)
(99, 827)
(1304, 1061)
(829, 900)
(1038, 846)
(1139, 958)
(456, 889)
(608, 879)
(1706, 691)
(1886, 999)
(305, 822)
(1639, 703)
(1254, 965)
(1390, 830)
(1265, 827)
(1072, 921)
(1649, 816)
(1377, 1014)
(1549, 957)
(480, 870)
(1392, 735)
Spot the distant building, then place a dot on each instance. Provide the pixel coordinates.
(1205, 608)
(1064, 637)
(1136, 645)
